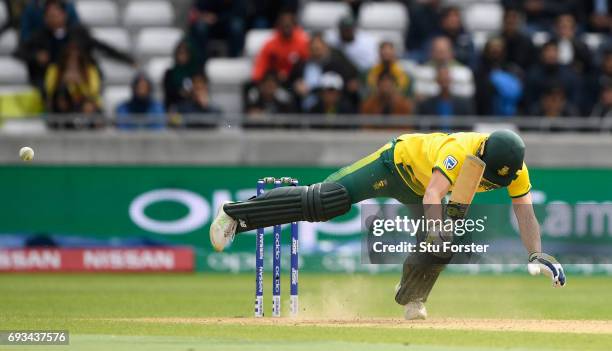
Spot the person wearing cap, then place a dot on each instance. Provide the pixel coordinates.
(412, 169)
(331, 101)
(357, 45)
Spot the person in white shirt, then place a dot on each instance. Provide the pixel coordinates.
(360, 47)
(572, 51)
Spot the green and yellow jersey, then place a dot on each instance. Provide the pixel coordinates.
(416, 156)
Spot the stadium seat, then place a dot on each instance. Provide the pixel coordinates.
(227, 77)
(466, 3)
(539, 38)
(13, 71)
(426, 85)
(318, 15)
(157, 41)
(255, 40)
(116, 37)
(24, 126)
(228, 71)
(8, 42)
(229, 101)
(115, 95)
(3, 13)
(143, 13)
(425, 81)
(479, 39)
(115, 72)
(14, 89)
(424, 73)
(385, 15)
(394, 36)
(157, 67)
(485, 17)
(425, 88)
(409, 66)
(462, 81)
(98, 12)
(593, 40)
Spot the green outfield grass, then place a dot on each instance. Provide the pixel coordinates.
(94, 308)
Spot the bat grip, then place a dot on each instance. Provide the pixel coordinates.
(455, 210)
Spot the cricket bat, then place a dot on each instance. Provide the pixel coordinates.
(465, 186)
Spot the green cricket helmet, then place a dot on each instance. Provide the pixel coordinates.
(504, 152)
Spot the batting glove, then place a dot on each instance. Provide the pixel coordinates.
(540, 262)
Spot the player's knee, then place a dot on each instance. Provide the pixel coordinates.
(324, 201)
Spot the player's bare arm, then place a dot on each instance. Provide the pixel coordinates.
(529, 228)
(437, 188)
(528, 223)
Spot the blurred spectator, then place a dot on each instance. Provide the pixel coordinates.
(264, 13)
(177, 79)
(601, 77)
(547, 69)
(219, 19)
(541, 14)
(424, 21)
(267, 97)
(194, 111)
(73, 84)
(355, 6)
(288, 46)
(498, 87)
(141, 110)
(445, 104)
(33, 17)
(357, 45)
(441, 53)
(387, 99)
(603, 108)
(598, 15)
(45, 46)
(519, 47)
(331, 100)
(389, 63)
(451, 27)
(306, 75)
(14, 9)
(199, 98)
(553, 102)
(572, 51)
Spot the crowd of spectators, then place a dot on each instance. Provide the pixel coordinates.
(342, 70)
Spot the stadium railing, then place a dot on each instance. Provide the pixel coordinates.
(308, 121)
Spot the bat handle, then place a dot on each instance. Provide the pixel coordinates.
(455, 210)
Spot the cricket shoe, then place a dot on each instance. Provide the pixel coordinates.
(414, 310)
(222, 230)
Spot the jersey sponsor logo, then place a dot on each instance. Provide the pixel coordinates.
(487, 185)
(450, 162)
(379, 184)
(503, 171)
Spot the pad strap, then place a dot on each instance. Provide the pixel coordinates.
(314, 203)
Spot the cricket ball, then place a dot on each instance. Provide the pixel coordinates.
(26, 153)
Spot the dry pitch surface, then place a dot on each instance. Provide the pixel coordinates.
(499, 325)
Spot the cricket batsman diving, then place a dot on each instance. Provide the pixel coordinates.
(413, 169)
